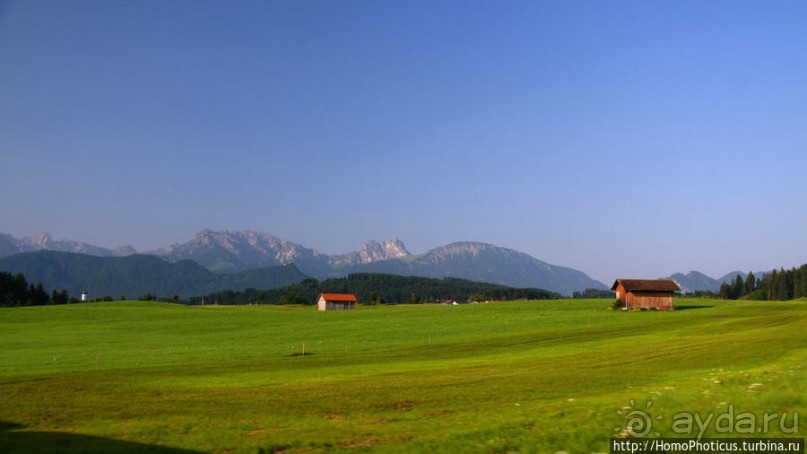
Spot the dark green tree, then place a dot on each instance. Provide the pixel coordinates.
(800, 282)
(292, 298)
(725, 291)
(373, 300)
(737, 288)
(750, 283)
(477, 297)
(778, 288)
(16, 291)
(59, 297)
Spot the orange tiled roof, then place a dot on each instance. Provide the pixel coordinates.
(342, 297)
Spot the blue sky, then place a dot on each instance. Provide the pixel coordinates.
(625, 139)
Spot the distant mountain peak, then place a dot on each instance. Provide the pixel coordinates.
(472, 248)
(483, 262)
(396, 244)
(373, 251)
(396, 248)
(40, 241)
(125, 250)
(42, 236)
(44, 242)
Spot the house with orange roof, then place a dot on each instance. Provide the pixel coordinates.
(336, 301)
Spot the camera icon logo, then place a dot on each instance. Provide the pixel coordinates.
(638, 422)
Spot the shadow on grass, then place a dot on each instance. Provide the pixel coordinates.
(12, 439)
(685, 308)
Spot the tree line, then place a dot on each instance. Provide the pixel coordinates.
(16, 291)
(594, 293)
(778, 285)
(372, 288)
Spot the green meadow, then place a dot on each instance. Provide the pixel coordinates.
(527, 376)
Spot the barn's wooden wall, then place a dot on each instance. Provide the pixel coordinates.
(620, 293)
(649, 300)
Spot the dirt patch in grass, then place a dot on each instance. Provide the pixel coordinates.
(359, 443)
(368, 442)
(402, 405)
(378, 420)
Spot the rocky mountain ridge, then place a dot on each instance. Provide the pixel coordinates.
(45, 242)
(232, 252)
(237, 251)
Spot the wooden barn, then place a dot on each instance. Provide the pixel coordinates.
(645, 293)
(336, 301)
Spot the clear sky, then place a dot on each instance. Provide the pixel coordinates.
(622, 138)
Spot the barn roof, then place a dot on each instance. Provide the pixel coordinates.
(341, 297)
(647, 285)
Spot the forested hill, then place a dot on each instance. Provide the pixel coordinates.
(371, 288)
(777, 285)
(136, 275)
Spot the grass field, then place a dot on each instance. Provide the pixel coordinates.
(544, 376)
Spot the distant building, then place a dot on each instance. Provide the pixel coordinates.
(645, 293)
(336, 301)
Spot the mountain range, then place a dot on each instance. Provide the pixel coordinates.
(695, 280)
(138, 274)
(235, 252)
(228, 252)
(44, 242)
(232, 251)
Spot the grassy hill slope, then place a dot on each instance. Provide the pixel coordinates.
(540, 376)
